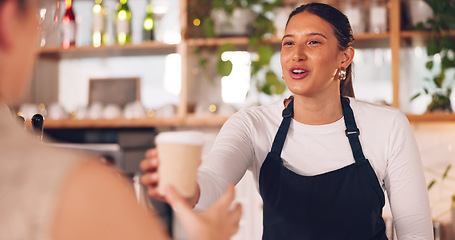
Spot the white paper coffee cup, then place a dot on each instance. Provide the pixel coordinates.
(180, 156)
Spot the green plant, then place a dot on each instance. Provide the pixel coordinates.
(262, 27)
(223, 68)
(443, 178)
(440, 46)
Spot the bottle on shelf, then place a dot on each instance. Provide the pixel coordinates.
(148, 25)
(99, 36)
(69, 26)
(122, 23)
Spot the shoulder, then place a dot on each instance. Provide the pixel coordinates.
(259, 115)
(92, 181)
(365, 111)
(97, 202)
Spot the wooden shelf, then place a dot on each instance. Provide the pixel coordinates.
(205, 42)
(209, 120)
(431, 117)
(145, 48)
(191, 120)
(188, 121)
(371, 36)
(111, 123)
(412, 34)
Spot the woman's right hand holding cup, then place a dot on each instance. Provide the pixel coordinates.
(220, 221)
(150, 177)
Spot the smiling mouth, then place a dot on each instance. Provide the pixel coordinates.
(298, 71)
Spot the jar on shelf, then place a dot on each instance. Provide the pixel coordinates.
(355, 11)
(280, 19)
(419, 12)
(237, 23)
(378, 16)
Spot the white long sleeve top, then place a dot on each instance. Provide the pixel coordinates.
(387, 142)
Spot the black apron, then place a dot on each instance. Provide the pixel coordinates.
(342, 204)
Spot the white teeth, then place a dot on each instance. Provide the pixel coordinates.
(297, 71)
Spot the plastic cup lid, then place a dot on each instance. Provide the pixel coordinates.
(180, 137)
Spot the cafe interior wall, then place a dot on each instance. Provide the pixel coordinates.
(372, 83)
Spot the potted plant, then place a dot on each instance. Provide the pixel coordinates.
(232, 18)
(259, 28)
(440, 49)
(448, 209)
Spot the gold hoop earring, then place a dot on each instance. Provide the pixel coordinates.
(342, 74)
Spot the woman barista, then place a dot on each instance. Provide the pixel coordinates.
(322, 159)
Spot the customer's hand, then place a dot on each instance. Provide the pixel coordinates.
(150, 177)
(220, 221)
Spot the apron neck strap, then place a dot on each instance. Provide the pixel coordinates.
(280, 136)
(352, 132)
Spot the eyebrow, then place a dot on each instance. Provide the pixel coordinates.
(309, 34)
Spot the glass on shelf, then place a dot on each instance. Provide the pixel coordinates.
(167, 28)
(378, 16)
(355, 11)
(418, 11)
(48, 18)
(372, 75)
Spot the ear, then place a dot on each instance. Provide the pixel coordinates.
(347, 57)
(8, 11)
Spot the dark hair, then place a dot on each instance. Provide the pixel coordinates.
(343, 33)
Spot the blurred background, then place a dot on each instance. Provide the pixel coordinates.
(112, 74)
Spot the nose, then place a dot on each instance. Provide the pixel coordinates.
(299, 53)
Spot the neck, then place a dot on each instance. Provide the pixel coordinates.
(317, 111)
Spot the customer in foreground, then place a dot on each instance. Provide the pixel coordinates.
(47, 193)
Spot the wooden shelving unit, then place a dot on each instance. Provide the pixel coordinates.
(113, 123)
(431, 117)
(184, 117)
(145, 48)
(211, 120)
(412, 34)
(192, 120)
(204, 42)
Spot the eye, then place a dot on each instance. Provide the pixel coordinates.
(287, 43)
(313, 42)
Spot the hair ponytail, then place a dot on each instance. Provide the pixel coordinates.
(346, 88)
